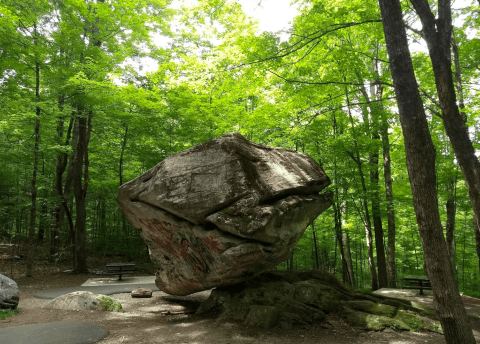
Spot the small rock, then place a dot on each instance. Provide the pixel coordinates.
(9, 294)
(141, 292)
(75, 301)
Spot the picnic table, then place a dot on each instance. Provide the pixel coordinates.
(417, 283)
(118, 269)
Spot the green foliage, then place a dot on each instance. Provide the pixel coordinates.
(5, 313)
(315, 90)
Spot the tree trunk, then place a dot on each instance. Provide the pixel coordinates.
(366, 219)
(325, 257)
(375, 114)
(80, 191)
(348, 259)
(122, 152)
(438, 34)
(420, 155)
(62, 206)
(43, 222)
(120, 177)
(33, 207)
(450, 225)
(378, 226)
(315, 248)
(387, 173)
(339, 239)
(476, 230)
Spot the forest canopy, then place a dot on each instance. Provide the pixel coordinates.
(79, 117)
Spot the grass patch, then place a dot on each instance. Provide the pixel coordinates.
(5, 313)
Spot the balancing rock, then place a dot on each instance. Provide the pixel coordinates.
(223, 211)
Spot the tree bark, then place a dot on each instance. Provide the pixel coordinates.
(373, 130)
(315, 248)
(62, 207)
(387, 174)
(122, 152)
(348, 259)
(438, 35)
(450, 224)
(378, 226)
(80, 255)
(476, 230)
(366, 215)
(43, 222)
(420, 155)
(338, 236)
(80, 188)
(33, 207)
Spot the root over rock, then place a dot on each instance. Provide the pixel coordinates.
(289, 298)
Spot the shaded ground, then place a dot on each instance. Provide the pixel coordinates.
(167, 319)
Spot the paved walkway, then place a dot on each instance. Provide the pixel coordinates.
(73, 332)
(54, 333)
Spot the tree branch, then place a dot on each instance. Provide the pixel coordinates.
(418, 32)
(323, 82)
(304, 41)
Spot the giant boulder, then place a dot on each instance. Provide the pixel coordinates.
(9, 293)
(223, 211)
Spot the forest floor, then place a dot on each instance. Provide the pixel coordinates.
(166, 319)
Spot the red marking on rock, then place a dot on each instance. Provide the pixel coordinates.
(213, 244)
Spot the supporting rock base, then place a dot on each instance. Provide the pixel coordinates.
(289, 298)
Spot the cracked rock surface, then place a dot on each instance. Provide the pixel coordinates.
(223, 211)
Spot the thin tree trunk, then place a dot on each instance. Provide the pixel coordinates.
(33, 208)
(338, 237)
(378, 226)
(316, 264)
(387, 173)
(120, 164)
(420, 155)
(120, 177)
(326, 257)
(366, 218)
(375, 114)
(62, 206)
(43, 222)
(348, 259)
(80, 191)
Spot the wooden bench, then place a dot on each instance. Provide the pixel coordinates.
(118, 269)
(417, 283)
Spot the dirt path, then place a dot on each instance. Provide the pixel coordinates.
(167, 319)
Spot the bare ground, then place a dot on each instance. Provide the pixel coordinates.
(167, 319)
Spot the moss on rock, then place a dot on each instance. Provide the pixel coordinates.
(109, 304)
(402, 320)
(287, 298)
(372, 308)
